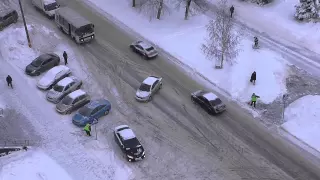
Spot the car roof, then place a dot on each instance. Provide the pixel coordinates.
(144, 45)
(77, 93)
(58, 69)
(210, 96)
(73, 17)
(43, 57)
(94, 103)
(127, 134)
(4, 9)
(150, 80)
(65, 81)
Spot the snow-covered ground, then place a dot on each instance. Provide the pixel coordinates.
(32, 165)
(183, 39)
(303, 120)
(279, 14)
(81, 157)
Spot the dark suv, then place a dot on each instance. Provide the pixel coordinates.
(7, 16)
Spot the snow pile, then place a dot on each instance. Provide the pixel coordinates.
(303, 120)
(35, 167)
(183, 39)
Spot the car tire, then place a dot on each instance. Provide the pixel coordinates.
(132, 48)
(150, 98)
(145, 57)
(106, 112)
(160, 87)
(192, 99)
(37, 74)
(68, 112)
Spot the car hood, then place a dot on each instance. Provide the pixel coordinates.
(142, 94)
(62, 107)
(45, 82)
(31, 68)
(54, 94)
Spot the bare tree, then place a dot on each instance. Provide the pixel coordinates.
(192, 6)
(222, 43)
(153, 8)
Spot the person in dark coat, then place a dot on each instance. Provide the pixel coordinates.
(253, 77)
(231, 11)
(9, 81)
(65, 56)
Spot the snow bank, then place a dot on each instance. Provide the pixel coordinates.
(303, 120)
(183, 39)
(38, 166)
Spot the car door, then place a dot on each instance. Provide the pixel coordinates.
(44, 65)
(140, 49)
(202, 102)
(66, 89)
(206, 105)
(95, 112)
(70, 88)
(75, 103)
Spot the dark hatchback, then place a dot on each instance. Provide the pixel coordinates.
(42, 63)
(208, 101)
(129, 143)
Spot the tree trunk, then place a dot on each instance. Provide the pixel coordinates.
(133, 3)
(222, 58)
(186, 14)
(160, 9)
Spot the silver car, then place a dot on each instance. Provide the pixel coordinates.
(72, 102)
(144, 49)
(62, 88)
(148, 88)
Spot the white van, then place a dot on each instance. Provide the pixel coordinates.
(46, 6)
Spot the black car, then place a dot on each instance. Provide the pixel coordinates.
(42, 63)
(7, 16)
(208, 101)
(129, 143)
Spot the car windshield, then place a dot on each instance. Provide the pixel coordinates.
(58, 88)
(144, 87)
(132, 143)
(85, 111)
(37, 62)
(84, 30)
(215, 102)
(51, 6)
(67, 100)
(150, 49)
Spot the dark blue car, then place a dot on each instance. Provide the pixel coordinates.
(91, 112)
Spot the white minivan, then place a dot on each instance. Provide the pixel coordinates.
(46, 6)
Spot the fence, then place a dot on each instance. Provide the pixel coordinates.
(14, 143)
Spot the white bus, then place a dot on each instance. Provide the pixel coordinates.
(73, 24)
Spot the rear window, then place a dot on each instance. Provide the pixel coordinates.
(215, 102)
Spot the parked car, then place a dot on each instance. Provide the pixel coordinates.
(148, 88)
(72, 102)
(42, 63)
(144, 49)
(7, 16)
(48, 7)
(63, 88)
(53, 76)
(129, 143)
(91, 112)
(208, 101)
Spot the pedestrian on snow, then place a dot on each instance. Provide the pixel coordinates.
(65, 56)
(254, 99)
(9, 81)
(231, 11)
(253, 77)
(87, 129)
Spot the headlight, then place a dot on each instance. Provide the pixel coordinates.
(81, 40)
(33, 71)
(131, 157)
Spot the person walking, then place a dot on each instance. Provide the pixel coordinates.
(254, 99)
(231, 11)
(9, 81)
(253, 77)
(87, 129)
(65, 56)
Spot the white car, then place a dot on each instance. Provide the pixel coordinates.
(148, 88)
(144, 49)
(53, 76)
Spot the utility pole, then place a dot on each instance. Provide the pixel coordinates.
(25, 25)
